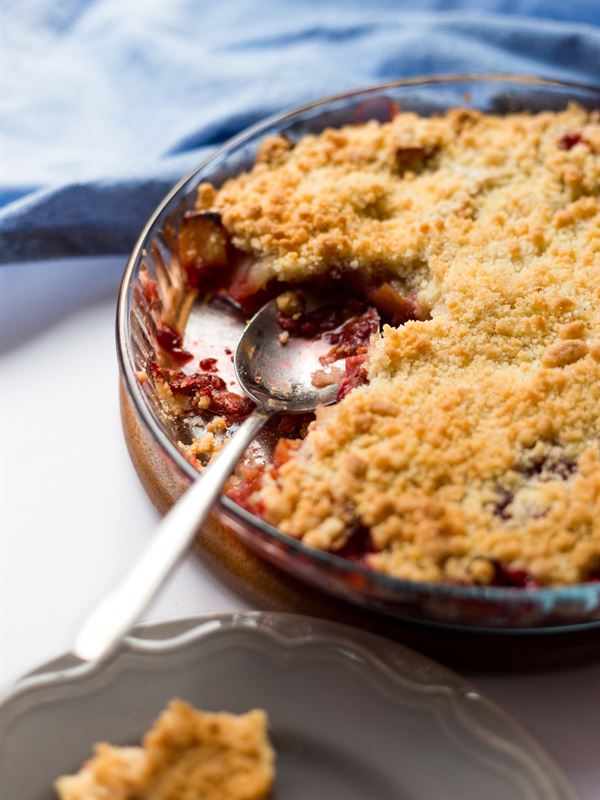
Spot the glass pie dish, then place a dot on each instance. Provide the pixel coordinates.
(162, 437)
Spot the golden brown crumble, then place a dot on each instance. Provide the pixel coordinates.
(476, 440)
(187, 755)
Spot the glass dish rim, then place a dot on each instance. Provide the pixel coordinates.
(545, 595)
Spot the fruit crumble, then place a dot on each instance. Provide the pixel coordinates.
(459, 260)
(187, 754)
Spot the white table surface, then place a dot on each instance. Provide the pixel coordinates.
(74, 514)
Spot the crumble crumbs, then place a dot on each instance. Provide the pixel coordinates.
(187, 755)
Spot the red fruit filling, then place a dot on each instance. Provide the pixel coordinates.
(354, 375)
(283, 451)
(353, 338)
(358, 546)
(230, 405)
(292, 426)
(241, 290)
(202, 382)
(570, 139)
(320, 321)
(511, 577)
(171, 342)
(248, 482)
(208, 364)
(149, 289)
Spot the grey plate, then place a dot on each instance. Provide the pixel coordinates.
(353, 716)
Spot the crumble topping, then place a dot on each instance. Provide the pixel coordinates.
(388, 198)
(476, 442)
(187, 755)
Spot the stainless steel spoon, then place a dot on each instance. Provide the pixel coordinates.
(278, 379)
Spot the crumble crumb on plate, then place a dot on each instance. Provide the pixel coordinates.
(187, 755)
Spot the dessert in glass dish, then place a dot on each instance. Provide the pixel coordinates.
(456, 255)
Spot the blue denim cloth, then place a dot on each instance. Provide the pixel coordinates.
(106, 103)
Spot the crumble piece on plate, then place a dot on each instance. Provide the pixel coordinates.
(187, 755)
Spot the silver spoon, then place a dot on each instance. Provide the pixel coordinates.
(278, 379)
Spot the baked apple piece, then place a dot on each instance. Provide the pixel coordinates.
(203, 246)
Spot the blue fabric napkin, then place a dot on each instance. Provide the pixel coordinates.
(106, 103)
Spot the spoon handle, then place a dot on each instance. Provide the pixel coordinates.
(116, 613)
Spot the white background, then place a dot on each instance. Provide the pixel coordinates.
(74, 514)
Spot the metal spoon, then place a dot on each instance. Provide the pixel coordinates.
(278, 379)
